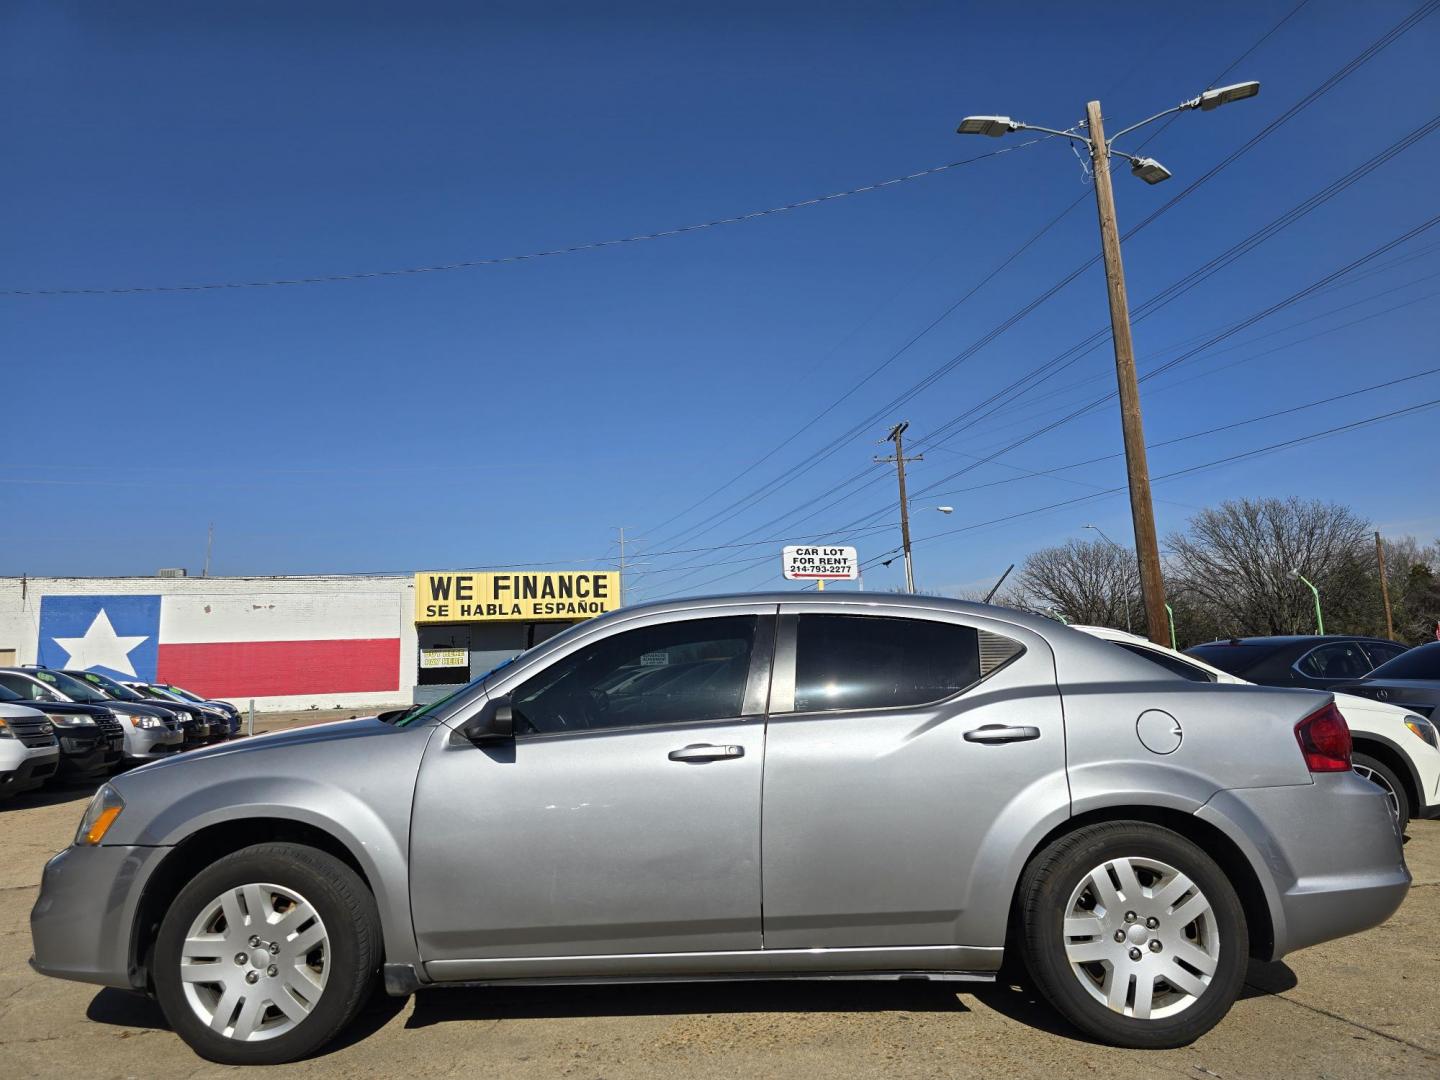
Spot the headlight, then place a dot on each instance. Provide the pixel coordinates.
(146, 722)
(1418, 725)
(104, 808)
(68, 720)
(5, 732)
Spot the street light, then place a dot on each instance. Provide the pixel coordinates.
(945, 509)
(1142, 510)
(1319, 619)
(1128, 628)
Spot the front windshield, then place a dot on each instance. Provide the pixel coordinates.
(186, 694)
(71, 687)
(110, 686)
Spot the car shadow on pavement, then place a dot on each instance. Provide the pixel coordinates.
(129, 1008)
(668, 999)
(1014, 997)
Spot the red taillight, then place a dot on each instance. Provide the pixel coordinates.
(1324, 739)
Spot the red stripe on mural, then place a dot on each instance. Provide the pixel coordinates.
(241, 669)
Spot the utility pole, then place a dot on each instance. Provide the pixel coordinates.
(623, 542)
(1147, 545)
(209, 544)
(1384, 589)
(897, 436)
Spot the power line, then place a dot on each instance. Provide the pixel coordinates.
(571, 249)
(1334, 79)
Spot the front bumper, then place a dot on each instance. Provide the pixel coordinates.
(148, 744)
(83, 918)
(1329, 855)
(38, 765)
(87, 755)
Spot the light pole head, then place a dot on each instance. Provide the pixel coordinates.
(945, 509)
(1223, 95)
(994, 126)
(1149, 170)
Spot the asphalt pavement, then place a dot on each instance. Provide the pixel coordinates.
(1364, 1006)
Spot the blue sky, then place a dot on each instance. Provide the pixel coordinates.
(518, 413)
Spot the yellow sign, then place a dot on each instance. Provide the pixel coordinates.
(501, 596)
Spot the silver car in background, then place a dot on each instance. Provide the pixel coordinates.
(758, 786)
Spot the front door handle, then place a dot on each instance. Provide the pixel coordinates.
(706, 752)
(998, 733)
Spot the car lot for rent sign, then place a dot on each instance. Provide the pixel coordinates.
(821, 564)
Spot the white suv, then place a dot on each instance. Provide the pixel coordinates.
(1394, 748)
(29, 753)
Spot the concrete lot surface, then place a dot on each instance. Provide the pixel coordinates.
(1364, 1006)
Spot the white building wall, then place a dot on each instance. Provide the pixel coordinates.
(269, 609)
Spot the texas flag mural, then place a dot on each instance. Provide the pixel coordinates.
(217, 646)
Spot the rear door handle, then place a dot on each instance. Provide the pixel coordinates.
(998, 733)
(706, 752)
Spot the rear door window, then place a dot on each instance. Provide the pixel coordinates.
(1340, 660)
(1382, 651)
(846, 662)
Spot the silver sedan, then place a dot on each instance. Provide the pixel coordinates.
(761, 786)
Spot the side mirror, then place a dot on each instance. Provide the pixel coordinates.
(494, 723)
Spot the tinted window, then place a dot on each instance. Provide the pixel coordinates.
(1235, 659)
(74, 689)
(1341, 660)
(871, 662)
(664, 674)
(1419, 663)
(1172, 664)
(1382, 651)
(27, 688)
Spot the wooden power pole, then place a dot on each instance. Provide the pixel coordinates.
(1384, 589)
(1147, 546)
(897, 436)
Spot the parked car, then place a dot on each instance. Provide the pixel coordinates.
(187, 695)
(926, 799)
(219, 710)
(1411, 681)
(92, 740)
(220, 722)
(29, 751)
(1321, 663)
(151, 731)
(1394, 747)
(193, 722)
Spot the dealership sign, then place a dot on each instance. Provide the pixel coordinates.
(444, 658)
(821, 564)
(515, 597)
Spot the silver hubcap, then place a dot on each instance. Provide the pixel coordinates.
(255, 962)
(1141, 938)
(1379, 781)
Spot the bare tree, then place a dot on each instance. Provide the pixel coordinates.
(1087, 582)
(1237, 562)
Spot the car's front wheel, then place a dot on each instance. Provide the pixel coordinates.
(1133, 934)
(266, 954)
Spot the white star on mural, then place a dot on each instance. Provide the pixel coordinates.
(101, 647)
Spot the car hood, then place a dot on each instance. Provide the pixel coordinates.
(281, 741)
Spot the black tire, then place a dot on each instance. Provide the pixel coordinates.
(1383, 777)
(1045, 892)
(355, 950)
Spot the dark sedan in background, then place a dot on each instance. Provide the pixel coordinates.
(1305, 660)
(1411, 680)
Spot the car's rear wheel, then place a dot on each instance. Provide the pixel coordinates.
(266, 954)
(1383, 777)
(1133, 934)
